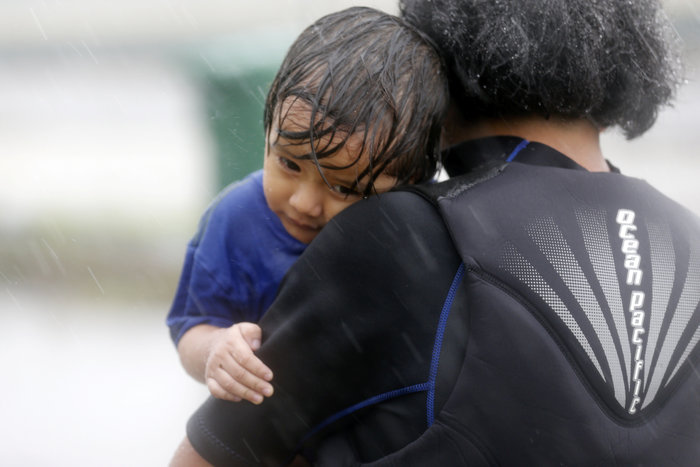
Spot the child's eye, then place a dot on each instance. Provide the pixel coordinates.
(345, 191)
(288, 164)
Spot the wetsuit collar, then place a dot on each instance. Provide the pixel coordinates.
(468, 155)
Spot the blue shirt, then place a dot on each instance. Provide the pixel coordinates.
(235, 262)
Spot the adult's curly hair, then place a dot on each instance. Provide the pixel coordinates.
(615, 62)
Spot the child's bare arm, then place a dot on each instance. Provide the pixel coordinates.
(223, 358)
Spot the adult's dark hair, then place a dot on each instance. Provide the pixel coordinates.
(612, 61)
(366, 72)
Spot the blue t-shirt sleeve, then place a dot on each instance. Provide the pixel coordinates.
(206, 293)
(210, 290)
(231, 271)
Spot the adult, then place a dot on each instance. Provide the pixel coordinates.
(537, 308)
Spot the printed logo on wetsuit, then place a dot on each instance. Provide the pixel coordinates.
(629, 246)
(639, 315)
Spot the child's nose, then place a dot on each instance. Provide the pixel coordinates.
(307, 199)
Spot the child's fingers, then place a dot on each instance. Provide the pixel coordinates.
(242, 376)
(227, 389)
(236, 383)
(252, 333)
(233, 371)
(242, 352)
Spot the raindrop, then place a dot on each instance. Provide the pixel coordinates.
(14, 299)
(99, 286)
(5, 278)
(207, 62)
(40, 258)
(85, 46)
(55, 257)
(252, 453)
(350, 336)
(38, 23)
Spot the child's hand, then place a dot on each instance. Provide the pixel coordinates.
(232, 371)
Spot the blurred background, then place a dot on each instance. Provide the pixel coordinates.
(118, 123)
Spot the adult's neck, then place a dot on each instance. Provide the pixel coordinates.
(578, 139)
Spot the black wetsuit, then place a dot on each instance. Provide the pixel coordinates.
(526, 313)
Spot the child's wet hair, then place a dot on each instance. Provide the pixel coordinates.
(367, 73)
(614, 62)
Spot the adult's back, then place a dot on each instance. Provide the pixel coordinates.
(491, 327)
(580, 306)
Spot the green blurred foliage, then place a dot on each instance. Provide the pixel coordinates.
(235, 108)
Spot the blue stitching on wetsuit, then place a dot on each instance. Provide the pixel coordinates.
(517, 149)
(437, 347)
(372, 400)
(427, 386)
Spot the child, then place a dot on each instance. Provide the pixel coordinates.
(356, 108)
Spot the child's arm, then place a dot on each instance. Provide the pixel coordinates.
(223, 358)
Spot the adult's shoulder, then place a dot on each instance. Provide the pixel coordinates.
(396, 218)
(391, 252)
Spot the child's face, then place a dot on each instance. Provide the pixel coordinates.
(295, 190)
